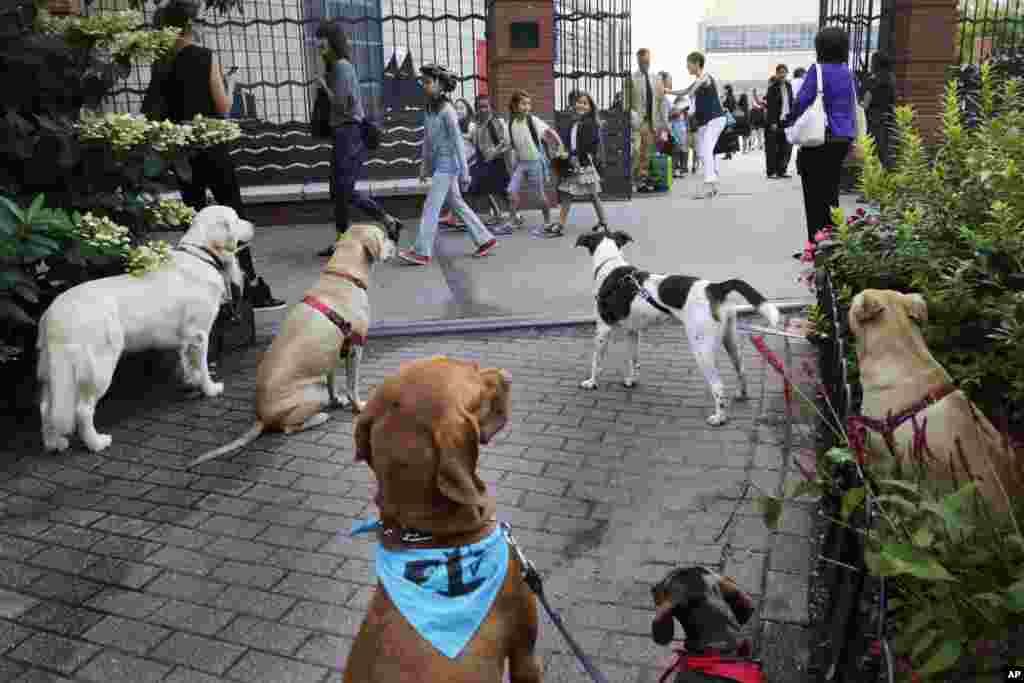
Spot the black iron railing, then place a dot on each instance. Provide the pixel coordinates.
(986, 27)
(868, 22)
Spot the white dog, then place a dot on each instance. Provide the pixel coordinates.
(634, 300)
(86, 329)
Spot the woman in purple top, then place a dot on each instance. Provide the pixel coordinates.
(820, 167)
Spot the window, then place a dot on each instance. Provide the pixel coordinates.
(760, 38)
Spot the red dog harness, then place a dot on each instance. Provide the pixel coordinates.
(345, 327)
(721, 666)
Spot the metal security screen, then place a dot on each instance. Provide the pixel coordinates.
(868, 22)
(986, 26)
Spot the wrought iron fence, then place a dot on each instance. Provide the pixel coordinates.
(270, 56)
(989, 26)
(593, 53)
(868, 22)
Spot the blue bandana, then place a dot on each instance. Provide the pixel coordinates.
(445, 593)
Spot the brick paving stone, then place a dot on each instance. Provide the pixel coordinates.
(258, 667)
(126, 634)
(191, 617)
(41, 676)
(254, 602)
(204, 654)
(111, 666)
(63, 619)
(265, 635)
(11, 634)
(54, 652)
(607, 490)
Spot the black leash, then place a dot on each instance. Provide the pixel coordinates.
(533, 580)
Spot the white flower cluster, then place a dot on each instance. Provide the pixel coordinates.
(144, 46)
(104, 234)
(210, 132)
(165, 136)
(172, 213)
(118, 32)
(122, 131)
(148, 257)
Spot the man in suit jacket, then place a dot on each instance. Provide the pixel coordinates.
(645, 102)
(777, 149)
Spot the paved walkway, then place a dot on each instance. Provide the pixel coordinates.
(751, 231)
(123, 567)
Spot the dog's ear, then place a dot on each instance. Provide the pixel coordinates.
(621, 238)
(917, 307)
(866, 306)
(457, 444)
(739, 602)
(363, 428)
(492, 415)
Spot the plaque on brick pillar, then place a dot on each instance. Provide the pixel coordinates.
(923, 49)
(521, 53)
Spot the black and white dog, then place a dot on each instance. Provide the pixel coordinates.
(633, 299)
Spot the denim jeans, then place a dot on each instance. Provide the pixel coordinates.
(446, 186)
(347, 160)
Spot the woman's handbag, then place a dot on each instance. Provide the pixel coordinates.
(809, 129)
(320, 117)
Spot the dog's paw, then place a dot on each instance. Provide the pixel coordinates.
(588, 384)
(718, 419)
(100, 443)
(213, 389)
(629, 382)
(56, 443)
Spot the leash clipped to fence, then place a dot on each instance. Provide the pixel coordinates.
(533, 580)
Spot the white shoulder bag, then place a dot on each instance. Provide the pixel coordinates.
(809, 129)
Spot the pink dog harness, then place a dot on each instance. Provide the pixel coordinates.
(350, 335)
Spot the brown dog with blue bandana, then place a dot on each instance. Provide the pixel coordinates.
(421, 432)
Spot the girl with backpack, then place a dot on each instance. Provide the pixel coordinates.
(532, 139)
(586, 152)
(444, 159)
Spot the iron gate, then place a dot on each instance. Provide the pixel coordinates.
(985, 27)
(868, 23)
(593, 53)
(269, 53)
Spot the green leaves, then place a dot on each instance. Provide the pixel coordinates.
(896, 559)
(944, 658)
(771, 508)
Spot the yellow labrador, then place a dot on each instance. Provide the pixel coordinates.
(900, 376)
(86, 329)
(329, 325)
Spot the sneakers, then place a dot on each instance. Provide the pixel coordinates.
(258, 293)
(485, 248)
(503, 229)
(411, 257)
(554, 230)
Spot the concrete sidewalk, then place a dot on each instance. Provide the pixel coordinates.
(124, 568)
(750, 231)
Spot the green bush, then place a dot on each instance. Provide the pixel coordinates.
(950, 226)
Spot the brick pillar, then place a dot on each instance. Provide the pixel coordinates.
(521, 53)
(923, 49)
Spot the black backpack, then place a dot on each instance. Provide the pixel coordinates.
(320, 116)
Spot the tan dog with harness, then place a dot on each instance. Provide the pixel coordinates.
(421, 433)
(901, 378)
(329, 325)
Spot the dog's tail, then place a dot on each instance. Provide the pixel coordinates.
(718, 291)
(244, 440)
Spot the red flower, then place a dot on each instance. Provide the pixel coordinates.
(875, 649)
(807, 461)
(984, 648)
(903, 665)
(822, 235)
(861, 212)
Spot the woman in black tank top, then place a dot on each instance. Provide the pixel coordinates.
(191, 83)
